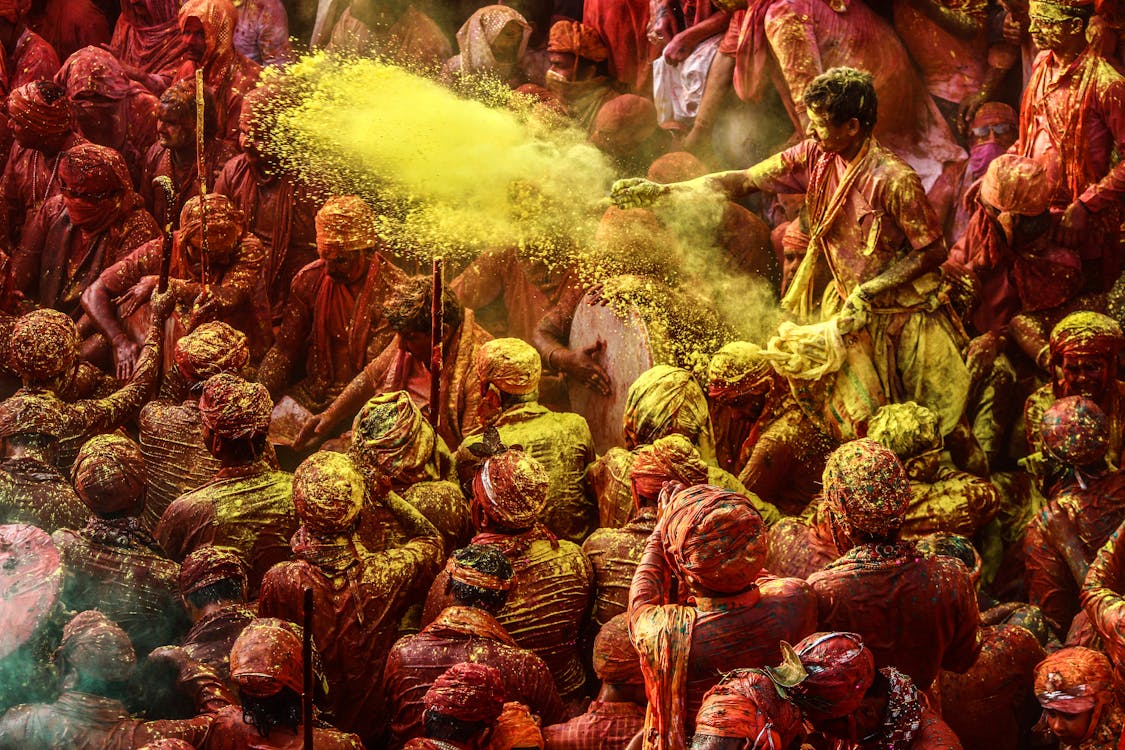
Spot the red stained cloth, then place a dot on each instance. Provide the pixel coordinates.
(799, 549)
(1075, 430)
(211, 349)
(14, 11)
(511, 488)
(29, 179)
(71, 25)
(840, 671)
(457, 634)
(577, 39)
(716, 538)
(604, 725)
(614, 554)
(328, 493)
(916, 614)
(209, 565)
(1073, 680)
(32, 59)
(32, 110)
(109, 475)
(746, 705)
(614, 658)
(231, 732)
(96, 647)
(548, 605)
(147, 35)
(467, 692)
(865, 484)
(266, 658)
(233, 408)
(43, 344)
(209, 641)
(623, 24)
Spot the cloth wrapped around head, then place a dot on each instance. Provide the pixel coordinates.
(89, 168)
(716, 537)
(664, 401)
(866, 487)
(840, 671)
(511, 489)
(512, 365)
(233, 408)
(97, 647)
(577, 39)
(43, 345)
(211, 349)
(345, 222)
(1074, 680)
(907, 429)
(391, 437)
(1086, 333)
(471, 566)
(955, 546)
(267, 657)
(477, 34)
(736, 369)
(1075, 431)
(94, 72)
(30, 414)
(42, 107)
(221, 214)
(328, 493)
(1015, 186)
(746, 705)
(615, 659)
(109, 475)
(623, 123)
(671, 458)
(218, 19)
(468, 692)
(208, 565)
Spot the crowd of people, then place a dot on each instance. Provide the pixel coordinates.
(266, 485)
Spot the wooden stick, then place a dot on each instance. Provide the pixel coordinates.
(200, 161)
(436, 316)
(307, 677)
(164, 182)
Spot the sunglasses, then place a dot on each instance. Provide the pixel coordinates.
(1000, 128)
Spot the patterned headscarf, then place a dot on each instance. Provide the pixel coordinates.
(671, 458)
(467, 692)
(1073, 680)
(218, 19)
(1075, 431)
(43, 345)
(347, 221)
(233, 408)
(109, 475)
(97, 647)
(211, 349)
(511, 488)
(391, 437)
(746, 705)
(94, 71)
(476, 35)
(220, 211)
(90, 168)
(1085, 333)
(328, 493)
(840, 671)
(866, 486)
(715, 537)
(662, 401)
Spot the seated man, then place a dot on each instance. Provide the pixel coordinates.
(461, 708)
(333, 323)
(218, 282)
(1080, 709)
(747, 708)
(213, 587)
(509, 370)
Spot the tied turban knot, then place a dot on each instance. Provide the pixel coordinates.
(511, 488)
(840, 670)
(390, 436)
(43, 345)
(267, 657)
(1073, 680)
(208, 565)
(671, 458)
(96, 647)
(512, 365)
(328, 493)
(233, 408)
(865, 484)
(211, 349)
(30, 108)
(109, 475)
(467, 692)
(615, 659)
(716, 537)
(346, 221)
(221, 212)
(577, 39)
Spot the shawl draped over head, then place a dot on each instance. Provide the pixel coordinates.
(476, 35)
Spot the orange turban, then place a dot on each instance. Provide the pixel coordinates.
(391, 437)
(1075, 430)
(716, 537)
(511, 487)
(671, 458)
(736, 367)
(577, 39)
(1073, 680)
(1017, 185)
(745, 704)
(676, 167)
(40, 106)
(346, 221)
(1086, 333)
(840, 670)
(43, 345)
(211, 349)
(623, 123)
(266, 657)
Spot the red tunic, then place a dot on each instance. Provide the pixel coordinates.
(359, 597)
(916, 614)
(1105, 606)
(30, 178)
(525, 289)
(176, 459)
(462, 634)
(248, 508)
(547, 606)
(604, 726)
(614, 553)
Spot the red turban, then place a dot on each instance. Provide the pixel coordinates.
(746, 705)
(615, 659)
(515, 727)
(267, 657)
(664, 401)
(676, 167)
(109, 475)
(840, 670)
(94, 71)
(865, 484)
(671, 458)
(220, 211)
(90, 168)
(43, 345)
(328, 493)
(1073, 680)
(512, 365)
(211, 349)
(577, 39)
(716, 537)
(623, 123)
(346, 221)
(511, 488)
(27, 414)
(234, 409)
(1075, 430)
(207, 565)
(96, 647)
(467, 692)
(40, 107)
(391, 437)
(1086, 333)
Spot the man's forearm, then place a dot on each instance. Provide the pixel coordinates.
(909, 268)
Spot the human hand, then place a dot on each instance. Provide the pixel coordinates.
(309, 436)
(125, 354)
(636, 192)
(661, 29)
(583, 366)
(679, 48)
(968, 110)
(137, 295)
(1013, 29)
(854, 314)
(1073, 223)
(163, 303)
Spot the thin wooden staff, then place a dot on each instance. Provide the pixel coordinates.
(201, 160)
(436, 316)
(164, 182)
(307, 676)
